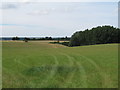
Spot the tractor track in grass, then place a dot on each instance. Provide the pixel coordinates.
(71, 75)
(31, 84)
(11, 74)
(52, 72)
(71, 63)
(83, 73)
(106, 81)
(21, 75)
(18, 61)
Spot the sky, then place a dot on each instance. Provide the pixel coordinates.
(56, 19)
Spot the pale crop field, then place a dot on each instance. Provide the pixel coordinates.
(45, 65)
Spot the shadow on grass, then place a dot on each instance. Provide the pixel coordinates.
(36, 71)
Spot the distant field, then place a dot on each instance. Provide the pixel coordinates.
(45, 65)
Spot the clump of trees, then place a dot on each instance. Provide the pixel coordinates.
(98, 35)
(43, 38)
(26, 39)
(16, 38)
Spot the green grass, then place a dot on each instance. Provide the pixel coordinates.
(45, 65)
(0, 65)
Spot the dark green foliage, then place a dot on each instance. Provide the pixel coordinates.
(26, 39)
(98, 35)
(63, 43)
(15, 38)
(51, 38)
(37, 38)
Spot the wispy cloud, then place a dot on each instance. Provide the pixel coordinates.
(23, 25)
(47, 11)
(28, 26)
(13, 5)
(25, 1)
(8, 6)
(39, 12)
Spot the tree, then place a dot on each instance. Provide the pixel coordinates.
(50, 38)
(98, 35)
(15, 38)
(26, 39)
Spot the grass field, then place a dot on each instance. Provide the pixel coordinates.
(45, 65)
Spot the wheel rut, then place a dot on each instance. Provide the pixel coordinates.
(52, 72)
(104, 76)
(71, 75)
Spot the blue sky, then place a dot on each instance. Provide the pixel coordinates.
(55, 18)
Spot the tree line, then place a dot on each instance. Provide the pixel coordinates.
(42, 38)
(98, 35)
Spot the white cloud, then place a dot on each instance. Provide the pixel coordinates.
(25, 1)
(39, 12)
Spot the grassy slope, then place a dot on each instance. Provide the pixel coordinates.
(40, 64)
(0, 65)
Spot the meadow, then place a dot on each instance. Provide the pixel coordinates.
(39, 64)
